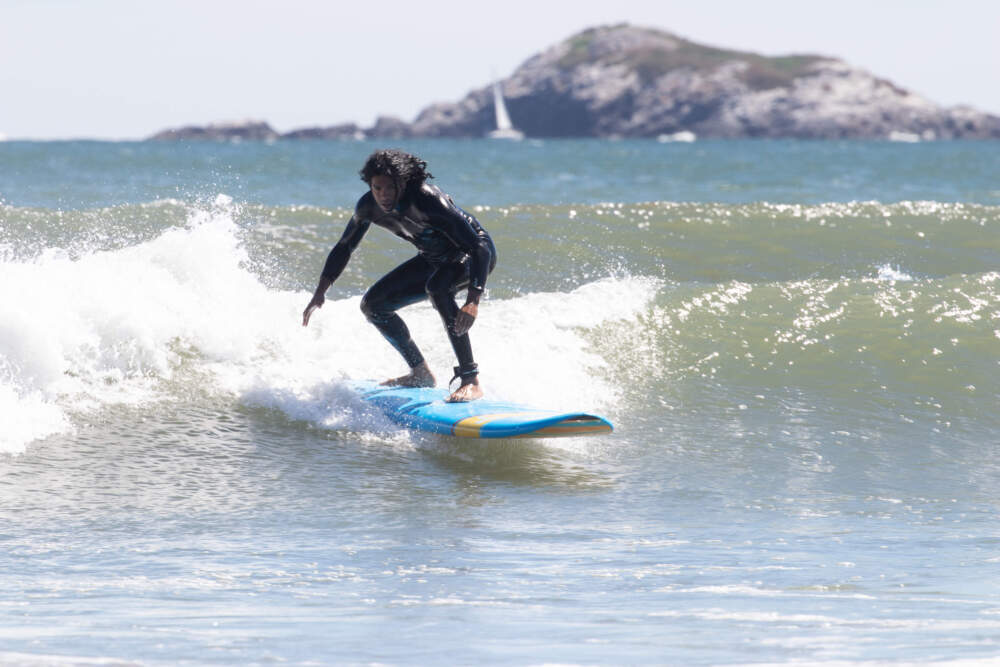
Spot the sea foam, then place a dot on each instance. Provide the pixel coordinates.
(76, 334)
(133, 325)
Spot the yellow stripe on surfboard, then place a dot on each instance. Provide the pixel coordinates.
(471, 426)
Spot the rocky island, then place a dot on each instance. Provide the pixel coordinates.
(625, 81)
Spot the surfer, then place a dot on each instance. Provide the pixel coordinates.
(454, 252)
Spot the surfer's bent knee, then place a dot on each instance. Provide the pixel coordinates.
(370, 311)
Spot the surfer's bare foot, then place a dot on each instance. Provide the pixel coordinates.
(466, 393)
(419, 376)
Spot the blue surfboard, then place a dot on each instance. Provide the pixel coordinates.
(426, 409)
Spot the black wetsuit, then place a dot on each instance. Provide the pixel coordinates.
(453, 252)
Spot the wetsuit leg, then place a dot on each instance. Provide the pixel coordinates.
(403, 286)
(442, 285)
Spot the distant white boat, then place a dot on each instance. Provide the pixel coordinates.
(505, 129)
(912, 137)
(684, 136)
(904, 137)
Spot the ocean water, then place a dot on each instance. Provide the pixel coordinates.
(798, 342)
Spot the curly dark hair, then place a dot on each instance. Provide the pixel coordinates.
(399, 165)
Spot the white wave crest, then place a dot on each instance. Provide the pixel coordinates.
(116, 327)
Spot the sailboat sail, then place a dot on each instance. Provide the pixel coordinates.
(503, 118)
(505, 129)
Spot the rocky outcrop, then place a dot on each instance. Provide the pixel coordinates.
(343, 131)
(248, 130)
(625, 81)
(389, 127)
(385, 127)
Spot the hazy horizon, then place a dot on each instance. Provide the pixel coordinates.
(115, 70)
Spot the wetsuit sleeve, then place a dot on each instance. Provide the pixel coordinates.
(464, 231)
(355, 231)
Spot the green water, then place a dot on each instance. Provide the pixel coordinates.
(798, 343)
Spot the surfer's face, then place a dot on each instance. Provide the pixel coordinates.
(384, 190)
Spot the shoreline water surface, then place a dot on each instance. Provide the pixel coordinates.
(797, 341)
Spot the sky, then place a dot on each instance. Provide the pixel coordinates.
(125, 69)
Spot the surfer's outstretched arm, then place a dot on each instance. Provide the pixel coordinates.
(337, 260)
(317, 301)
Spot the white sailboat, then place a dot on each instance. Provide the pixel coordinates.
(505, 129)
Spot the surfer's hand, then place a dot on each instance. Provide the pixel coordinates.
(466, 316)
(316, 302)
